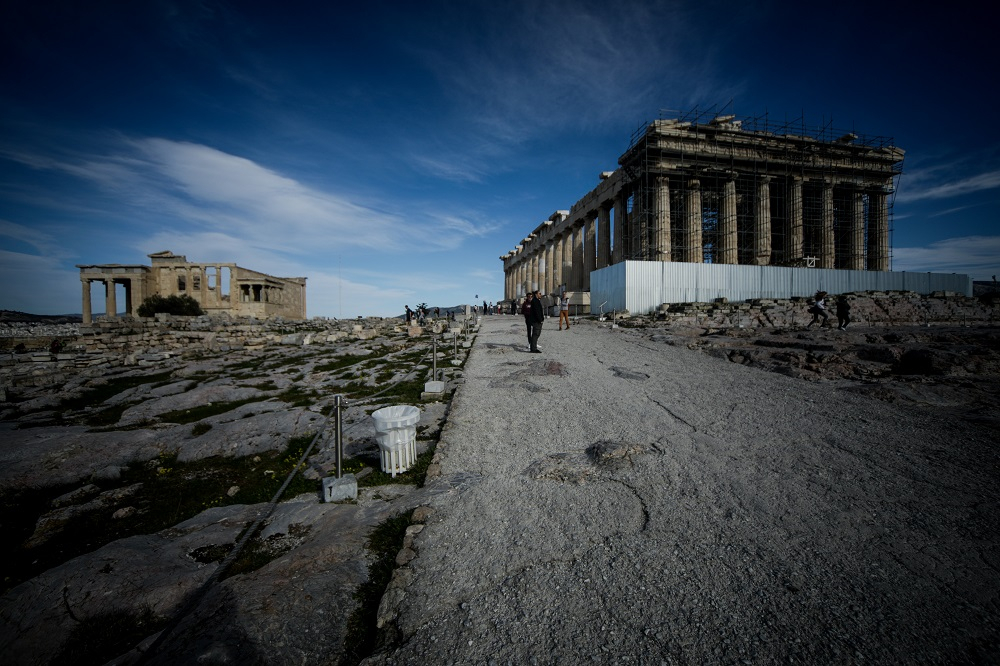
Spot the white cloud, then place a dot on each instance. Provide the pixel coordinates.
(929, 184)
(977, 256)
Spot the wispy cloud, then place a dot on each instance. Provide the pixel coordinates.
(978, 256)
(930, 186)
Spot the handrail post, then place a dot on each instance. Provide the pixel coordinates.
(339, 433)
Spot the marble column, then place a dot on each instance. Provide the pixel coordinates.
(878, 230)
(535, 270)
(692, 251)
(794, 239)
(129, 300)
(567, 259)
(549, 252)
(589, 231)
(557, 252)
(762, 223)
(603, 235)
(661, 220)
(87, 317)
(856, 231)
(110, 299)
(728, 247)
(826, 252)
(616, 253)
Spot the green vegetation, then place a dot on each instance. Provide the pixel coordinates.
(200, 412)
(341, 362)
(173, 304)
(363, 637)
(98, 394)
(200, 429)
(171, 492)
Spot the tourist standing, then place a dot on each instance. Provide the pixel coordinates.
(843, 312)
(564, 311)
(537, 316)
(526, 311)
(409, 314)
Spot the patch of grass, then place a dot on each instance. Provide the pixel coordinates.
(200, 429)
(416, 475)
(171, 492)
(341, 362)
(98, 394)
(269, 385)
(298, 396)
(363, 637)
(200, 412)
(100, 638)
(108, 417)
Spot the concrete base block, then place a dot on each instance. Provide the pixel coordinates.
(335, 490)
(434, 387)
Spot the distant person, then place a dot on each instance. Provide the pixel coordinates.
(564, 311)
(818, 310)
(526, 311)
(485, 310)
(843, 312)
(409, 314)
(537, 316)
(437, 312)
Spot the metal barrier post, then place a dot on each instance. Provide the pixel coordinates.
(434, 362)
(339, 433)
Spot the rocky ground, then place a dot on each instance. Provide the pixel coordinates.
(123, 489)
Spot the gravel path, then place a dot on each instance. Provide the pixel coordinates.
(620, 500)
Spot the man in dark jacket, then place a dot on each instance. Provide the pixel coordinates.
(526, 311)
(536, 317)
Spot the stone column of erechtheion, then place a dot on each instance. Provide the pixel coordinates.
(589, 232)
(111, 305)
(603, 236)
(762, 223)
(691, 251)
(87, 317)
(617, 255)
(794, 240)
(878, 230)
(826, 255)
(728, 249)
(856, 230)
(661, 220)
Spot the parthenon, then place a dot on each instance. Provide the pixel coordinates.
(211, 285)
(722, 190)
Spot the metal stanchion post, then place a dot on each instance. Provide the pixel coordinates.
(434, 362)
(339, 433)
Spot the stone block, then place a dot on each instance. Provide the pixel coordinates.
(336, 490)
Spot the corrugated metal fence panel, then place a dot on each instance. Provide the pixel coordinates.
(642, 286)
(607, 289)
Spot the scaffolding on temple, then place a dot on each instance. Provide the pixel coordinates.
(705, 186)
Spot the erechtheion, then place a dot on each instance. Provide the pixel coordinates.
(711, 193)
(219, 288)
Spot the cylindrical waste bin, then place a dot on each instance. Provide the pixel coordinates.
(396, 432)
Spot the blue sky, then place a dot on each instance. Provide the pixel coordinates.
(392, 151)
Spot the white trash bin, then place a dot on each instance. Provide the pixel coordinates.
(396, 432)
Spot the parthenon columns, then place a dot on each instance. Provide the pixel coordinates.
(856, 231)
(617, 254)
(728, 248)
(691, 251)
(826, 257)
(878, 230)
(589, 258)
(604, 236)
(795, 237)
(661, 224)
(762, 223)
